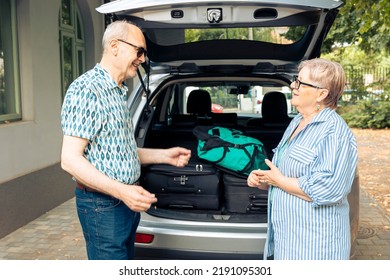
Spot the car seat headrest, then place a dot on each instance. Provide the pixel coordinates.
(199, 102)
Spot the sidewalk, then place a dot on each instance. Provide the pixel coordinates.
(57, 235)
(373, 241)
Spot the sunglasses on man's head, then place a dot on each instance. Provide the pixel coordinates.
(140, 50)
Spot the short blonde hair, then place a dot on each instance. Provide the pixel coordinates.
(328, 75)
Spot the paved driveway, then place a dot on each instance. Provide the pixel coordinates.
(57, 235)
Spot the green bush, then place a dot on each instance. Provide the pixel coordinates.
(367, 114)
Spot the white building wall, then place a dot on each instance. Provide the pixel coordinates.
(34, 143)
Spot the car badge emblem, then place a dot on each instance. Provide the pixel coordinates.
(214, 15)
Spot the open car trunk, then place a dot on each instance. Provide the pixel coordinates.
(201, 191)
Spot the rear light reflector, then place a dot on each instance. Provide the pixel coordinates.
(144, 238)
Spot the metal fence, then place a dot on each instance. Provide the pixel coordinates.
(370, 78)
(370, 83)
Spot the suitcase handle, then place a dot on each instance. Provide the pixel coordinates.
(256, 207)
(181, 206)
(257, 202)
(258, 198)
(182, 189)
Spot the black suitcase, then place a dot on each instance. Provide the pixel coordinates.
(195, 186)
(240, 198)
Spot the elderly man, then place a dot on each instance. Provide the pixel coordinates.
(99, 149)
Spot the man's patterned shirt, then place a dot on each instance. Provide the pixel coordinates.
(95, 108)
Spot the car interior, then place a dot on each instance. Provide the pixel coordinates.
(180, 105)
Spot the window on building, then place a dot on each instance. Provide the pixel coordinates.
(9, 67)
(72, 45)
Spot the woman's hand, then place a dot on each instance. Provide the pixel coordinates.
(254, 180)
(273, 176)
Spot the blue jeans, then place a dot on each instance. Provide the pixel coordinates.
(109, 226)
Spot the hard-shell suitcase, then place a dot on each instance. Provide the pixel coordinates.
(240, 198)
(195, 186)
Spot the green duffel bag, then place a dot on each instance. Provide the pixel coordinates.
(230, 149)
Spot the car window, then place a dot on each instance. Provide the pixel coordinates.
(282, 35)
(278, 35)
(228, 99)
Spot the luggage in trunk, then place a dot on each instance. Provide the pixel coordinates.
(240, 198)
(195, 186)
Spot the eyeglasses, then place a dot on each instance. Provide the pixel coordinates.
(298, 83)
(140, 50)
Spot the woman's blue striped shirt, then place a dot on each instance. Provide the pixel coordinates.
(323, 156)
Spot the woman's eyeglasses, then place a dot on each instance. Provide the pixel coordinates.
(140, 50)
(298, 83)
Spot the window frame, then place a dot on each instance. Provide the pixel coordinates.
(78, 44)
(17, 115)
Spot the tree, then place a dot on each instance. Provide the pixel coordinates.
(366, 23)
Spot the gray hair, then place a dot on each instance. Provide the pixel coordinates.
(115, 30)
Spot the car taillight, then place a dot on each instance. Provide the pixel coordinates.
(258, 101)
(144, 238)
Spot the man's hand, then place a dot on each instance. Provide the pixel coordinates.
(136, 198)
(178, 156)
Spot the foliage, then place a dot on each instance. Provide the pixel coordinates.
(366, 23)
(221, 96)
(360, 107)
(367, 114)
(258, 34)
(351, 55)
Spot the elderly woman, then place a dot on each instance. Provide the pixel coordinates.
(311, 172)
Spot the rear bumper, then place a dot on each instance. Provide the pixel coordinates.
(155, 254)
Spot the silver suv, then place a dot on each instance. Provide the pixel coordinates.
(239, 52)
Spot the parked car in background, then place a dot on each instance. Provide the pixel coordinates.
(258, 106)
(228, 49)
(216, 108)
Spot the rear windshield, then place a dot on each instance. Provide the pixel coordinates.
(246, 103)
(243, 100)
(277, 35)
